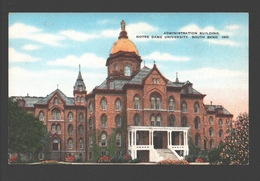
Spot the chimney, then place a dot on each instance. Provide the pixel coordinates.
(210, 102)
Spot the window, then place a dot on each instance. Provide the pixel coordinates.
(104, 104)
(155, 81)
(56, 101)
(210, 120)
(196, 108)
(70, 143)
(104, 152)
(115, 67)
(91, 126)
(127, 71)
(197, 123)
(158, 120)
(58, 129)
(137, 120)
(55, 114)
(70, 116)
(81, 130)
(184, 107)
(155, 102)
(197, 140)
(104, 121)
(137, 138)
(211, 132)
(91, 107)
(41, 116)
(118, 105)
(118, 139)
(90, 141)
(220, 133)
(153, 120)
(158, 103)
(220, 123)
(171, 120)
(53, 128)
(55, 143)
(136, 102)
(171, 104)
(81, 143)
(70, 129)
(112, 85)
(118, 121)
(103, 139)
(80, 117)
(78, 99)
(184, 122)
(82, 99)
(211, 144)
(152, 102)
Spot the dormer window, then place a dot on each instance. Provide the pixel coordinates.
(56, 101)
(112, 85)
(155, 81)
(127, 71)
(115, 67)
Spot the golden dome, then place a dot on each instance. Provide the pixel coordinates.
(124, 44)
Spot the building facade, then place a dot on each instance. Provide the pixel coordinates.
(135, 109)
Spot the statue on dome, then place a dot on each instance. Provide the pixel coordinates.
(123, 25)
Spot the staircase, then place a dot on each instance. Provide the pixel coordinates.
(167, 154)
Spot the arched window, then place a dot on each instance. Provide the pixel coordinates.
(103, 139)
(118, 121)
(41, 116)
(58, 129)
(104, 121)
(158, 120)
(220, 123)
(70, 116)
(127, 71)
(211, 131)
(184, 107)
(158, 103)
(55, 143)
(153, 120)
(196, 108)
(118, 139)
(104, 104)
(118, 105)
(91, 141)
(210, 120)
(53, 128)
(197, 123)
(55, 114)
(115, 67)
(171, 104)
(211, 144)
(220, 133)
(81, 117)
(81, 143)
(70, 129)
(78, 99)
(56, 101)
(91, 125)
(172, 120)
(152, 102)
(70, 143)
(82, 99)
(197, 139)
(137, 120)
(91, 107)
(136, 102)
(81, 130)
(184, 122)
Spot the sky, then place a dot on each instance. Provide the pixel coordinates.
(210, 51)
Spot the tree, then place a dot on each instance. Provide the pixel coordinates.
(236, 149)
(26, 134)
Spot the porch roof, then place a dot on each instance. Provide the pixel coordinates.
(157, 128)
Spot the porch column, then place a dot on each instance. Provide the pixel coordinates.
(129, 139)
(180, 138)
(132, 137)
(152, 139)
(170, 138)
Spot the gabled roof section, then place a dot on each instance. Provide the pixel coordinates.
(46, 99)
(156, 69)
(138, 78)
(214, 108)
(29, 101)
(118, 84)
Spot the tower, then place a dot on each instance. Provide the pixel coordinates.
(79, 90)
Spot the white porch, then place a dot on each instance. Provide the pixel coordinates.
(179, 149)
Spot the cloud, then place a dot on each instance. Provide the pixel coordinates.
(15, 56)
(22, 31)
(86, 60)
(227, 32)
(31, 47)
(78, 36)
(165, 57)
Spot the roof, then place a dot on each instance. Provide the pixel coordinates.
(29, 101)
(214, 107)
(68, 101)
(138, 78)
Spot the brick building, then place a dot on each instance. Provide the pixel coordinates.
(147, 114)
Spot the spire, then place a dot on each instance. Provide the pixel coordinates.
(177, 80)
(79, 76)
(79, 85)
(123, 33)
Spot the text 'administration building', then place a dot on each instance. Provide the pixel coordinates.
(135, 110)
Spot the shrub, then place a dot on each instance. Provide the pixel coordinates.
(173, 162)
(199, 160)
(13, 159)
(71, 158)
(127, 158)
(137, 160)
(104, 159)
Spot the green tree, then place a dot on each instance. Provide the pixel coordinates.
(236, 150)
(26, 134)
